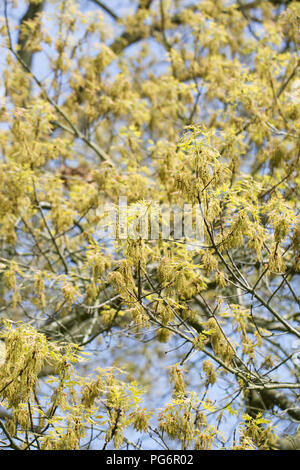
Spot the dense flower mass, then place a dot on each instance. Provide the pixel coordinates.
(111, 337)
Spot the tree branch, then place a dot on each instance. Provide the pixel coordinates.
(31, 12)
(106, 9)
